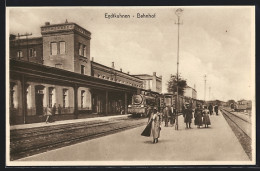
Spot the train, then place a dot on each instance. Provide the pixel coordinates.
(147, 99)
(242, 105)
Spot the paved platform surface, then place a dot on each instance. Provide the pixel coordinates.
(217, 143)
(43, 124)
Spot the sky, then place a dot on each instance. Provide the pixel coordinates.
(214, 41)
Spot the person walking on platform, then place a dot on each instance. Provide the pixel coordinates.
(48, 114)
(210, 109)
(198, 116)
(166, 115)
(172, 115)
(153, 126)
(54, 109)
(187, 115)
(216, 109)
(59, 109)
(206, 119)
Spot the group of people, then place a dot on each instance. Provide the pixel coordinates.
(211, 109)
(166, 114)
(50, 111)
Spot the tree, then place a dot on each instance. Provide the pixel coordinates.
(172, 85)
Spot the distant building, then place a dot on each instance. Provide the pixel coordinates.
(190, 92)
(151, 82)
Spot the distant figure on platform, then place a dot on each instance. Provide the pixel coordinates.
(153, 126)
(166, 114)
(198, 116)
(59, 109)
(210, 109)
(206, 119)
(54, 109)
(48, 114)
(122, 111)
(172, 116)
(187, 115)
(216, 109)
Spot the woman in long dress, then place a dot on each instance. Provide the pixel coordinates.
(198, 116)
(206, 119)
(154, 126)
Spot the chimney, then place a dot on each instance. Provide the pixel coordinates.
(154, 73)
(47, 23)
(120, 69)
(128, 72)
(113, 65)
(93, 59)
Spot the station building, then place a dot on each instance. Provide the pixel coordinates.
(151, 82)
(56, 69)
(190, 92)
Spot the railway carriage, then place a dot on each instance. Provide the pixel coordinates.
(243, 105)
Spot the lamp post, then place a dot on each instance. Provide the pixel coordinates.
(178, 12)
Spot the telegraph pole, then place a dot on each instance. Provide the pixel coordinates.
(178, 12)
(205, 80)
(209, 92)
(26, 35)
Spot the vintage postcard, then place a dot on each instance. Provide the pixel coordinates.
(138, 86)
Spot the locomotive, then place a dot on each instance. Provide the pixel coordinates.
(142, 102)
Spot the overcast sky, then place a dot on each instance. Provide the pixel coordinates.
(216, 41)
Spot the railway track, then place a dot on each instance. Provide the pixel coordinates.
(241, 128)
(243, 124)
(33, 142)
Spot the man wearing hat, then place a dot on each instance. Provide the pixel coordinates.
(187, 113)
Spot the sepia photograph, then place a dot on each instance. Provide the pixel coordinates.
(130, 86)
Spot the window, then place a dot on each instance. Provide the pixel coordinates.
(58, 66)
(54, 50)
(12, 95)
(84, 51)
(32, 52)
(62, 47)
(82, 69)
(19, 54)
(80, 49)
(65, 98)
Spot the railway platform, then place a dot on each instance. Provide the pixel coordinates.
(215, 144)
(71, 121)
